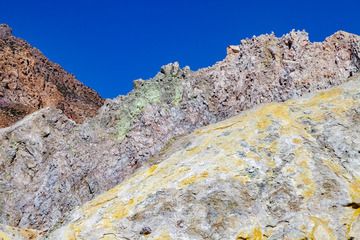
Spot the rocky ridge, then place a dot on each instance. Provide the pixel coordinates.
(279, 171)
(50, 164)
(29, 81)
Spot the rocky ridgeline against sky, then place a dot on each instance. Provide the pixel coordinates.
(50, 164)
(29, 81)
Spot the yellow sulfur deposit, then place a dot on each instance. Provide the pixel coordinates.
(278, 171)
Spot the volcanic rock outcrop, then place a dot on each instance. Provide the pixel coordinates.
(29, 81)
(280, 171)
(50, 164)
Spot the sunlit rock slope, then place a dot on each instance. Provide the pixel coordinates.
(49, 164)
(29, 81)
(12, 233)
(279, 171)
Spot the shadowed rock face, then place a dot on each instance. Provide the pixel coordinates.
(51, 164)
(279, 171)
(29, 81)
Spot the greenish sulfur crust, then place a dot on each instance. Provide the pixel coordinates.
(165, 92)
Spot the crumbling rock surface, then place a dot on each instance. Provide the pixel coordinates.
(12, 233)
(280, 171)
(79, 161)
(29, 81)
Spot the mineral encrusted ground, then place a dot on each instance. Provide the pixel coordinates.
(50, 164)
(280, 171)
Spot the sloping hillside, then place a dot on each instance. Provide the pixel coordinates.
(280, 171)
(49, 164)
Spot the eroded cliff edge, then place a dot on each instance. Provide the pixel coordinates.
(29, 81)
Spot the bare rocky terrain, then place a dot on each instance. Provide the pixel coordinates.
(279, 171)
(51, 164)
(29, 81)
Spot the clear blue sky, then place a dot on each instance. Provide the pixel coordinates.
(107, 44)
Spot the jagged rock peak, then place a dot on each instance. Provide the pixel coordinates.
(170, 70)
(5, 31)
(294, 39)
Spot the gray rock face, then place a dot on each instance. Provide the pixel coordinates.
(46, 174)
(5, 31)
(27, 150)
(286, 170)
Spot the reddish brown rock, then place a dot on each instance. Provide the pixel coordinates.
(29, 81)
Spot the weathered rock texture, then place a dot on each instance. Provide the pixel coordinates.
(29, 81)
(11, 233)
(280, 171)
(49, 164)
